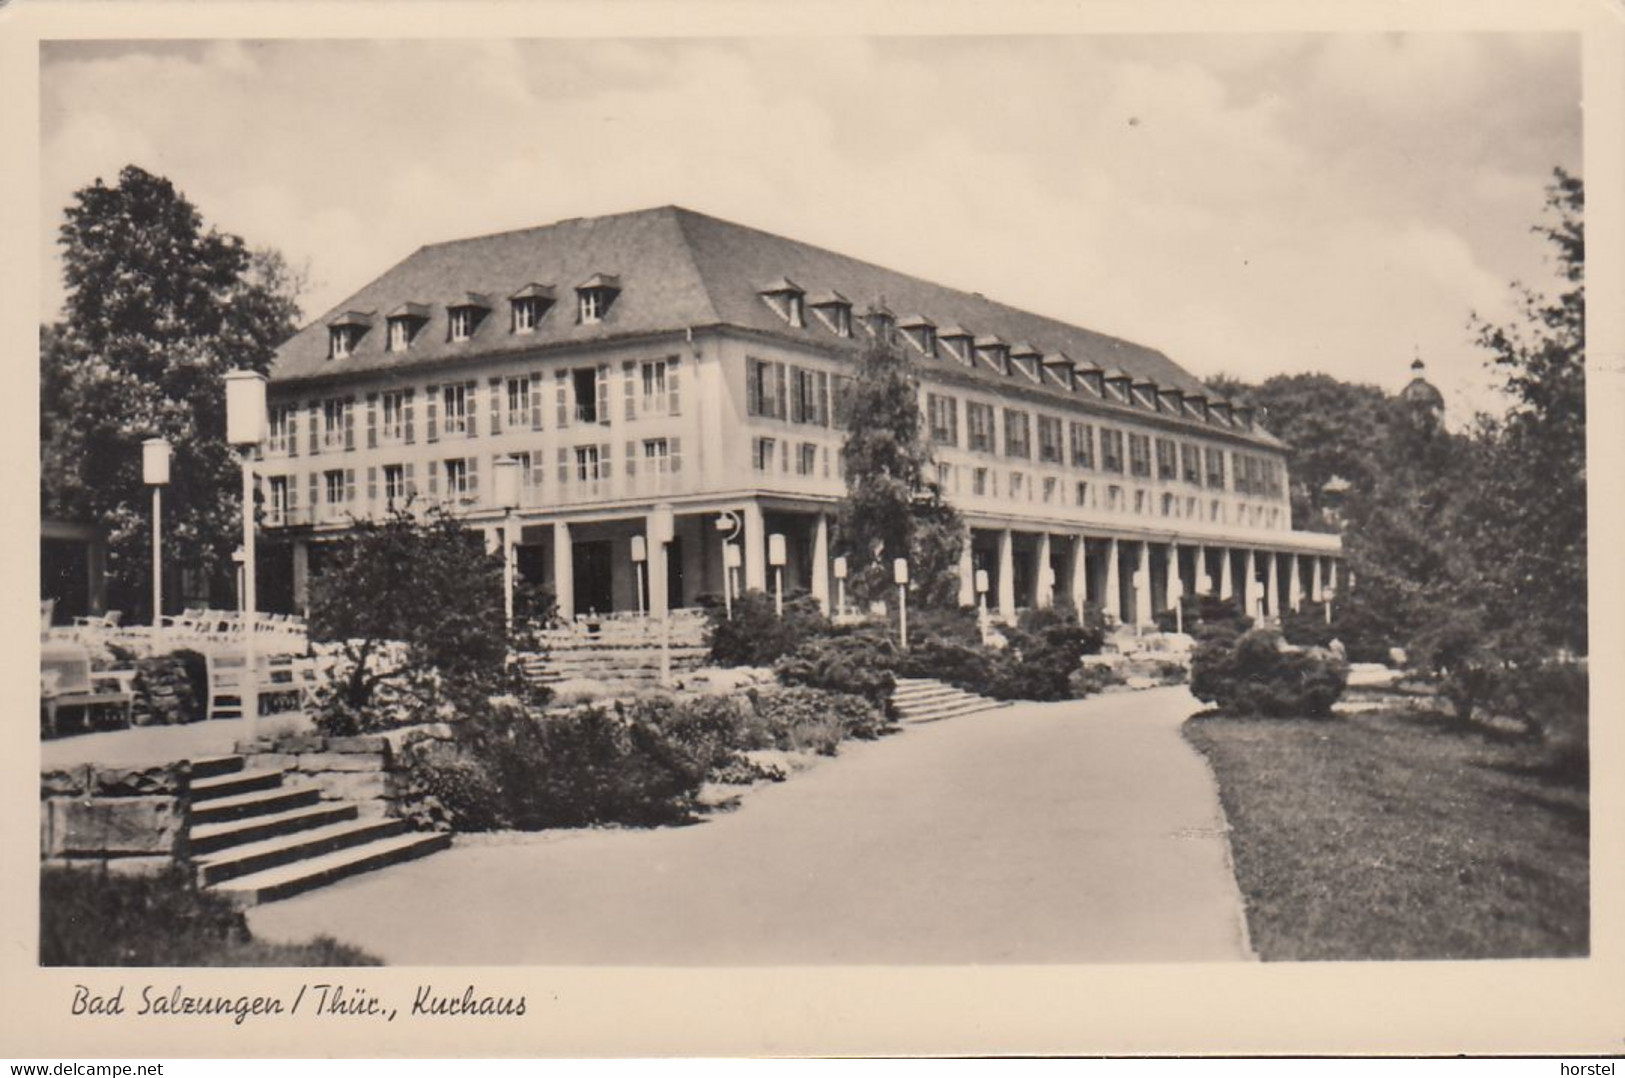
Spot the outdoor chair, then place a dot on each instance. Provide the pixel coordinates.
(228, 684)
(66, 680)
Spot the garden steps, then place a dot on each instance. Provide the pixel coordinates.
(929, 700)
(255, 838)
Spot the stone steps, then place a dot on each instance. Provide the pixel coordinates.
(255, 838)
(929, 700)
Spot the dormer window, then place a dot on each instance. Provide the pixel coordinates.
(1195, 406)
(1057, 368)
(464, 315)
(1117, 385)
(994, 352)
(1219, 410)
(835, 311)
(1169, 400)
(1088, 377)
(528, 305)
(595, 297)
(1025, 358)
(788, 301)
(879, 322)
(958, 342)
(921, 334)
(344, 333)
(1145, 395)
(404, 323)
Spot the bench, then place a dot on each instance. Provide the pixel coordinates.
(66, 680)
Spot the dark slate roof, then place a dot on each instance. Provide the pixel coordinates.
(677, 269)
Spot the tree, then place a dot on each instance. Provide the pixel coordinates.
(158, 308)
(894, 506)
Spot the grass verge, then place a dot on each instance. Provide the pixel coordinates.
(1396, 835)
(93, 918)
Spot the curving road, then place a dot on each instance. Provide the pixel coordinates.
(1075, 832)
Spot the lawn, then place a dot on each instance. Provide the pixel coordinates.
(1398, 835)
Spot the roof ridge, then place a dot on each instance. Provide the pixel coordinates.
(504, 232)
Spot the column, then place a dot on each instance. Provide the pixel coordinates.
(1142, 586)
(493, 538)
(755, 542)
(301, 575)
(1078, 587)
(967, 572)
(1176, 579)
(656, 551)
(1227, 587)
(564, 576)
(1203, 583)
(1249, 586)
(1114, 586)
(1294, 590)
(820, 562)
(1314, 579)
(1272, 596)
(1045, 591)
(1007, 577)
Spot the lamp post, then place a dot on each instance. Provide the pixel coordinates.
(1176, 595)
(775, 558)
(981, 592)
(730, 525)
(840, 585)
(505, 492)
(640, 555)
(245, 430)
(155, 473)
(899, 573)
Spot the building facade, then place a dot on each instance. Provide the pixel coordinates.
(671, 376)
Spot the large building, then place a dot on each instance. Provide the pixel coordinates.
(669, 375)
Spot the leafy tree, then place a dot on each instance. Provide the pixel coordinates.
(159, 307)
(893, 505)
(414, 606)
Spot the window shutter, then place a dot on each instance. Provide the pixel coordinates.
(629, 374)
(798, 397)
(822, 404)
(533, 472)
(784, 455)
(673, 395)
(631, 459)
(603, 394)
(410, 410)
(561, 380)
(434, 478)
(753, 387)
(315, 494)
(604, 468)
(430, 404)
(533, 392)
(349, 486)
(349, 424)
(675, 449)
(496, 406)
(778, 390)
(372, 485)
(471, 407)
(315, 427)
(372, 421)
(474, 478)
(293, 433)
(564, 470)
(293, 499)
(826, 461)
(409, 476)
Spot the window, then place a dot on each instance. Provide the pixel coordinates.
(519, 410)
(1049, 439)
(1017, 435)
(585, 383)
(793, 312)
(1049, 490)
(807, 396)
(1215, 511)
(1018, 486)
(840, 394)
(1139, 454)
(1190, 463)
(333, 488)
(652, 374)
(1111, 450)
(400, 334)
(835, 312)
(958, 343)
(283, 428)
(978, 482)
(455, 409)
(657, 455)
(943, 413)
(1215, 468)
(1142, 503)
(335, 421)
(278, 509)
(394, 483)
(527, 312)
(765, 391)
(1114, 498)
(342, 340)
(806, 459)
(588, 465)
(1083, 492)
(1167, 459)
(1169, 505)
(945, 478)
(462, 322)
(979, 426)
(456, 478)
(591, 308)
(1083, 444)
(762, 452)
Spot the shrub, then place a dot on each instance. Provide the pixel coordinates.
(90, 917)
(955, 624)
(1307, 627)
(707, 730)
(1255, 674)
(969, 666)
(756, 635)
(170, 688)
(859, 661)
(801, 719)
(1093, 678)
(1043, 652)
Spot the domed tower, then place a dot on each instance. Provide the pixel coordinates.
(1421, 392)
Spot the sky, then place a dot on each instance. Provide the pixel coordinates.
(1248, 204)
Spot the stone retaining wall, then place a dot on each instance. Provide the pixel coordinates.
(126, 819)
(356, 769)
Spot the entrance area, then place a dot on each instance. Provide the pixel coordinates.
(593, 568)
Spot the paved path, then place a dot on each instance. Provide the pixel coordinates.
(1072, 832)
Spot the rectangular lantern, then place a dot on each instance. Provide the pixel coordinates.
(505, 482)
(981, 581)
(899, 570)
(775, 550)
(840, 568)
(640, 549)
(245, 408)
(155, 462)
